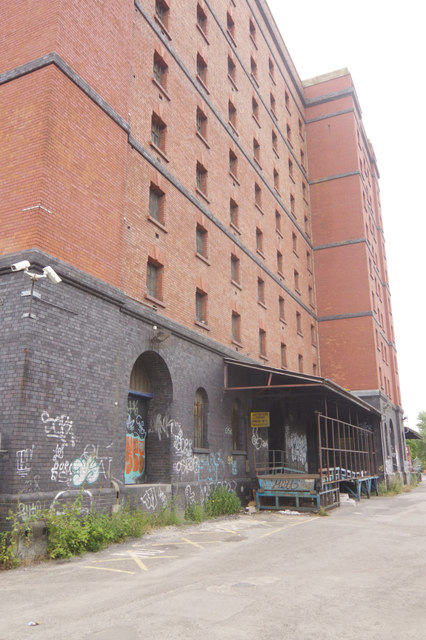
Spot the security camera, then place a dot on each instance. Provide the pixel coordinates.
(52, 275)
(20, 266)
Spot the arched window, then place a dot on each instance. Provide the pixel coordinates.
(200, 419)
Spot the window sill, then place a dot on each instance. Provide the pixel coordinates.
(256, 120)
(280, 273)
(233, 128)
(155, 301)
(200, 450)
(202, 194)
(291, 178)
(273, 79)
(161, 88)
(157, 223)
(239, 452)
(277, 191)
(159, 151)
(202, 324)
(283, 320)
(253, 77)
(202, 258)
(297, 291)
(262, 304)
(299, 333)
(260, 253)
(235, 228)
(274, 114)
(277, 155)
(202, 83)
(202, 33)
(202, 138)
(234, 177)
(236, 284)
(253, 41)
(231, 37)
(288, 109)
(279, 233)
(237, 344)
(234, 84)
(162, 27)
(263, 356)
(258, 163)
(259, 208)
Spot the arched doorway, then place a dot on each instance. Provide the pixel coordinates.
(148, 414)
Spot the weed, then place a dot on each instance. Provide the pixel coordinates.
(222, 502)
(323, 511)
(195, 512)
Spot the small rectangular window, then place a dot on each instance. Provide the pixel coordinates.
(235, 269)
(296, 281)
(271, 68)
(258, 195)
(162, 12)
(255, 109)
(232, 114)
(201, 19)
(259, 240)
(279, 262)
(281, 308)
(299, 322)
(201, 306)
(233, 163)
(252, 30)
(274, 141)
(158, 132)
(261, 290)
(300, 362)
(201, 123)
(294, 243)
(233, 212)
(201, 69)
(277, 221)
(230, 25)
(256, 150)
(154, 280)
(262, 342)
(276, 180)
(236, 327)
(253, 68)
(201, 241)
(160, 70)
(201, 178)
(232, 69)
(156, 203)
(272, 103)
(283, 355)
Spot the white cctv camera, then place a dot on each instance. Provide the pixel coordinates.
(52, 275)
(20, 266)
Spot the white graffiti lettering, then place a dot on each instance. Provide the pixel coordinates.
(84, 470)
(60, 427)
(257, 441)
(23, 461)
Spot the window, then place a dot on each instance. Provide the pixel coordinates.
(162, 12)
(304, 191)
(294, 242)
(156, 203)
(288, 129)
(256, 150)
(281, 308)
(158, 132)
(252, 30)
(274, 141)
(314, 369)
(233, 212)
(258, 195)
(253, 69)
(309, 261)
(235, 269)
(300, 124)
(201, 69)
(299, 322)
(200, 419)
(201, 123)
(287, 100)
(160, 70)
(154, 277)
(233, 163)
(201, 19)
(313, 335)
(201, 178)
(259, 240)
(290, 169)
(236, 327)
(278, 221)
(232, 70)
(201, 306)
(201, 241)
(279, 262)
(237, 424)
(230, 25)
(255, 109)
(302, 158)
(292, 205)
(262, 343)
(296, 281)
(300, 362)
(260, 291)
(311, 296)
(307, 225)
(271, 68)
(283, 355)
(276, 180)
(232, 114)
(272, 103)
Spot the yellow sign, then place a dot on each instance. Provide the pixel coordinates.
(259, 419)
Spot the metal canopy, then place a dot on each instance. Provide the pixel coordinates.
(277, 379)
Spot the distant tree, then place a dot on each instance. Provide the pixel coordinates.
(421, 444)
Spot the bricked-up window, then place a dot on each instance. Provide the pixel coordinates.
(156, 203)
(283, 355)
(232, 69)
(296, 281)
(201, 19)
(233, 163)
(201, 123)
(299, 322)
(158, 132)
(279, 262)
(256, 150)
(255, 108)
(258, 195)
(201, 69)
(253, 69)
(232, 114)
(259, 240)
(201, 306)
(201, 241)
(201, 178)
(262, 342)
(261, 290)
(162, 12)
(281, 308)
(200, 419)
(160, 70)
(236, 327)
(277, 221)
(230, 25)
(154, 280)
(233, 212)
(300, 362)
(235, 269)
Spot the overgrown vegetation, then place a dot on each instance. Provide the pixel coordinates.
(73, 533)
(396, 486)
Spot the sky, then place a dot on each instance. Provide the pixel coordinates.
(382, 44)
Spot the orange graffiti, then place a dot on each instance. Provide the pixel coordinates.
(135, 456)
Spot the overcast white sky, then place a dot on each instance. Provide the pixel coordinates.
(382, 42)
